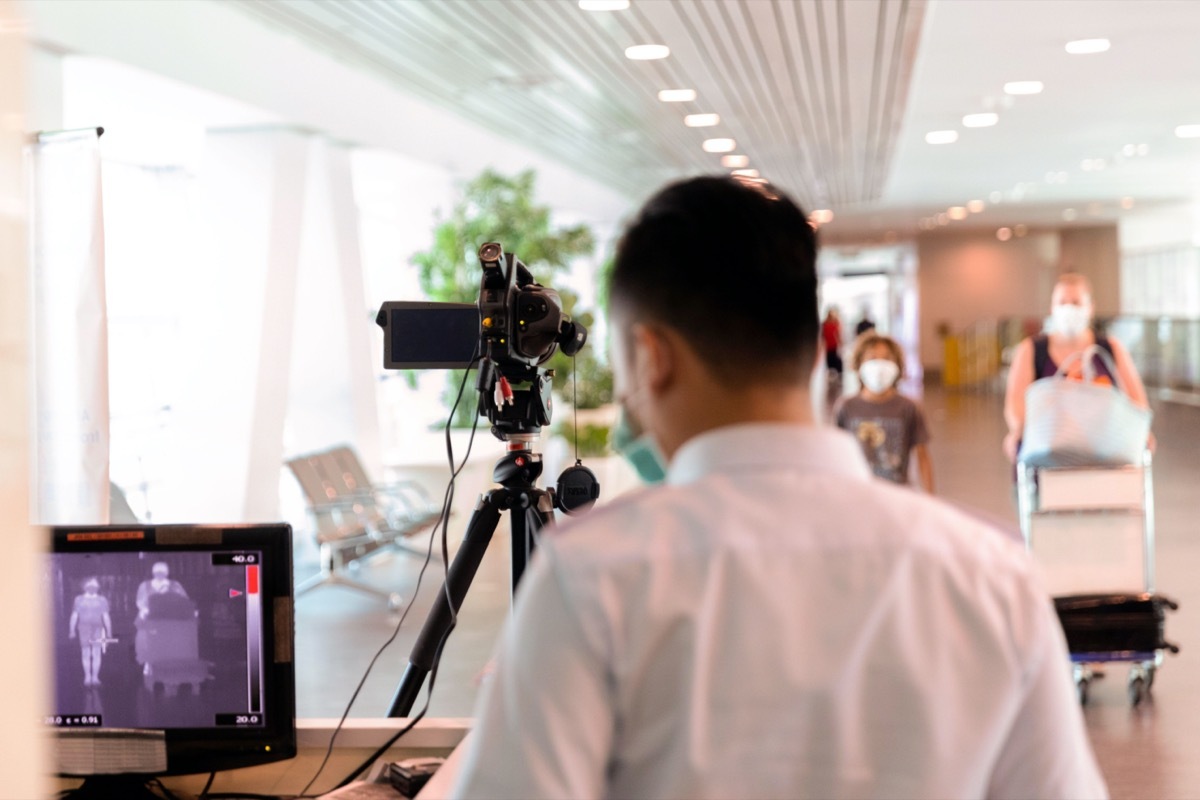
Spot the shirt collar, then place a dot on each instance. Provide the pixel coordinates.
(768, 446)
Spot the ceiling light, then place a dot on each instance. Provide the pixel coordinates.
(702, 120)
(1081, 47)
(984, 120)
(1187, 132)
(677, 95)
(941, 137)
(746, 173)
(1024, 87)
(647, 52)
(956, 212)
(1004, 234)
(821, 216)
(719, 145)
(1126, 203)
(735, 161)
(975, 206)
(604, 5)
(942, 219)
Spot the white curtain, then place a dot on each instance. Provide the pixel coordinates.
(70, 331)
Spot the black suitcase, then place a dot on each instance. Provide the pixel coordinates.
(1115, 623)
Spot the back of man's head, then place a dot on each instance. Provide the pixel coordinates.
(730, 266)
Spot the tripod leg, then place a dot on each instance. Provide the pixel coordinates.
(440, 620)
(526, 524)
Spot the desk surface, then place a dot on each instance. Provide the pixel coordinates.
(356, 741)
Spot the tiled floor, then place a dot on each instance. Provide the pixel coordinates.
(1145, 752)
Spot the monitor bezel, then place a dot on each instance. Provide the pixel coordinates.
(213, 749)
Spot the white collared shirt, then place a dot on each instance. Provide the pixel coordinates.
(776, 623)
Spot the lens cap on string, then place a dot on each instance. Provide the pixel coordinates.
(578, 490)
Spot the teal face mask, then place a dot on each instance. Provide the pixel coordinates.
(638, 449)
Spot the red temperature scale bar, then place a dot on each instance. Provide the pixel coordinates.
(254, 634)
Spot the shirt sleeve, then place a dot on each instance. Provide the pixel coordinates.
(840, 415)
(920, 430)
(545, 721)
(1047, 752)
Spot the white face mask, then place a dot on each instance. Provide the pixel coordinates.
(879, 374)
(1070, 320)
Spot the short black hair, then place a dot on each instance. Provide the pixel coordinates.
(731, 266)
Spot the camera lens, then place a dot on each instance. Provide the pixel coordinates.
(490, 252)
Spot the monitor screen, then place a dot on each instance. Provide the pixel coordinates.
(180, 629)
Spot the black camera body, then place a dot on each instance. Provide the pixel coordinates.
(520, 321)
(514, 328)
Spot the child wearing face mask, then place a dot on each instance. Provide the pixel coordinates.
(889, 426)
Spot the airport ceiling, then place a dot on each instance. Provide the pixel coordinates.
(830, 99)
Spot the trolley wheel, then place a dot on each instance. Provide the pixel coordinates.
(1081, 689)
(395, 602)
(1137, 689)
(1150, 670)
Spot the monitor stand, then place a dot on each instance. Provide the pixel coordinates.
(108, 787)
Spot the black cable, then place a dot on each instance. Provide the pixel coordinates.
(575, 402)
(383, 748)
(447, 503)
(211, 777)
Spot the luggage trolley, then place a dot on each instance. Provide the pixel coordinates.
(1092, 530)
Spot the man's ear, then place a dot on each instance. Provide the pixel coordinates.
(655, 361)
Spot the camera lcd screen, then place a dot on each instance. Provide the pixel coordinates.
(429, 335)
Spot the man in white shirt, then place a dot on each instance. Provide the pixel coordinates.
(772, 622)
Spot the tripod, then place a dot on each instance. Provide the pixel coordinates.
(530, 510)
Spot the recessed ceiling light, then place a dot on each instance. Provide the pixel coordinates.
(1004, 234)
(647, 52)
(677, 95)
(1126, 203)
(1187, 132)
(1024, 87)
(821, 216)
(957, 212)
(702, 120)
(1081, 47)
(941, 137)
(719, 145)
(735, 161)
(984, 120)
(943, 218)
(746, 173)
(604, 5)
(975, 206)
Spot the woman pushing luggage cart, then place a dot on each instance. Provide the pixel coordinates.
(1079, 438)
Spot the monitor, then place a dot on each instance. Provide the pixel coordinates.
(172, 650)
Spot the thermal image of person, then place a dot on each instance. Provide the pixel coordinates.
(92, 625)
(159, 583)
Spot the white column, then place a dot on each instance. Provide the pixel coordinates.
(278, 306)
(362, 335)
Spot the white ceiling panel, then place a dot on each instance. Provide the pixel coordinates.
(830, 99)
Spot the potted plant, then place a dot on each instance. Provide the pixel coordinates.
(500, 208)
